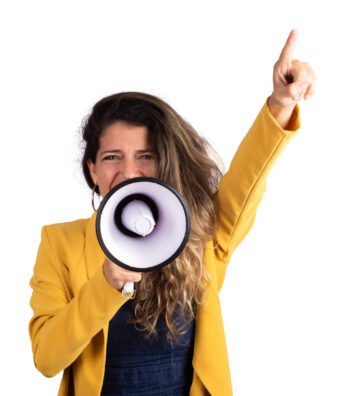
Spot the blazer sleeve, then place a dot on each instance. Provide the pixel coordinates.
(242, 187)
(62, 324)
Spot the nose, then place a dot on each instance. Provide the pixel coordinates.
(131, 169)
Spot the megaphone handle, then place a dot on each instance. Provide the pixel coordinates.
(128, 290)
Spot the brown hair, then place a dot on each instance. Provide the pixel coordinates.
(184, 161)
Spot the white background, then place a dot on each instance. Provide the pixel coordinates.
(289, 297)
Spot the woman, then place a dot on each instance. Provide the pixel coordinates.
(169, 340)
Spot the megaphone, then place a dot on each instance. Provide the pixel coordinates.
(142, 224)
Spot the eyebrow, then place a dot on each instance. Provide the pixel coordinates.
(120, 151)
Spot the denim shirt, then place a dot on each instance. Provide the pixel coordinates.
(137, 366)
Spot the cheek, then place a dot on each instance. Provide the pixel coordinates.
(106, 177)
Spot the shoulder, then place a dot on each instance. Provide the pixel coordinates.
(71, 231)
(68, 226)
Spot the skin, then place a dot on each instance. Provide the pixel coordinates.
(125, 151)
(293, 80)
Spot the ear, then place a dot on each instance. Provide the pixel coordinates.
(92, 170)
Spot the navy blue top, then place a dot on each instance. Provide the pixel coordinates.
(136, 366)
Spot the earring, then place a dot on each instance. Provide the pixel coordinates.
(93, 198)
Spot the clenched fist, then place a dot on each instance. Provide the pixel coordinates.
(118, 276)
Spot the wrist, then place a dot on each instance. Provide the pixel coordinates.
(282, 113)
(112, 281)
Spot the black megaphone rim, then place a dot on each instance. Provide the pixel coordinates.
(111, 193)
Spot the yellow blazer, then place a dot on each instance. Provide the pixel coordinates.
(73, 303)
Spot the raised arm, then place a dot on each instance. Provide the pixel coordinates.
(242, 187)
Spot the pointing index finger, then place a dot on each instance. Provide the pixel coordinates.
(289, 46)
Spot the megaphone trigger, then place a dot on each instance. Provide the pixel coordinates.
(128, 290)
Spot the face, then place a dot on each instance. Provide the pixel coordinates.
(125, 152)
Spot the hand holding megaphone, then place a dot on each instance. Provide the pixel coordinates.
(142, 224)
(136, 217)
(117, 276)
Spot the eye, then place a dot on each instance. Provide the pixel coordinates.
(112, 157)
(147, 157)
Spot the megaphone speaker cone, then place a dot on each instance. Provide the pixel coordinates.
(142, 224)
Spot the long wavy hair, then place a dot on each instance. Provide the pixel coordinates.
(189, 164)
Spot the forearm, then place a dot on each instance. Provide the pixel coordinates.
(242, 187)
(58, 339)
(64, 321)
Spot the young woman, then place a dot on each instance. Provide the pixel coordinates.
(169, 339)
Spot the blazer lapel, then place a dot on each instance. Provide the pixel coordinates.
(94, 256)
(210, 362)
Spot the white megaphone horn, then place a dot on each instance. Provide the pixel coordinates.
(142, 224)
